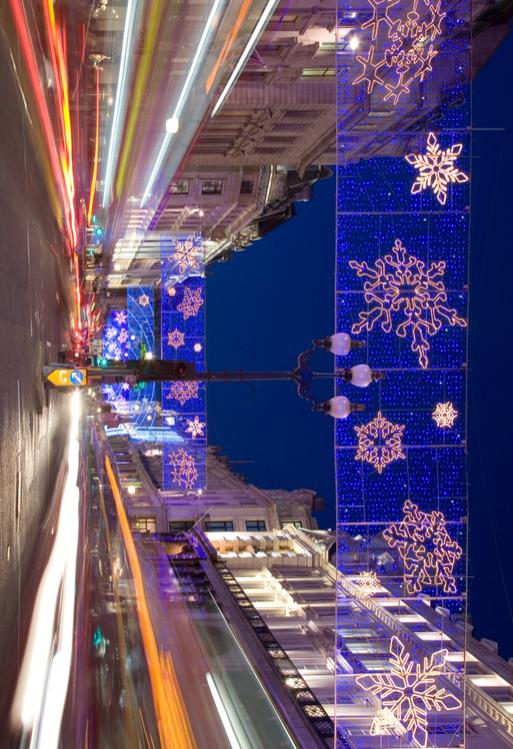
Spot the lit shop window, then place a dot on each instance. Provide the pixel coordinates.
(180, 187)
(212, 187)
(255, 525)
(145, 525)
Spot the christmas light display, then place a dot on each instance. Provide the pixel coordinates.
(401, 284)
(115, 336)
(379, 442)
(411, 691)
(436, 168)
(427, 551)
(368, 584)
(404, 35)
(183, 337)
(175, 338)
(184, 472)
(195, 427)
(403, 70)
(140, 340)
(191, 302)
(444, 415)
(183, 391)
(144, 300)
(187, 255)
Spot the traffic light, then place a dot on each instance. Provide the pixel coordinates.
(158, 369)
(101, 361)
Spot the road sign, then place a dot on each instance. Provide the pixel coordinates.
(68, 377)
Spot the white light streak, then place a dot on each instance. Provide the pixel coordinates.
(44, 675)
(115, 133)
(225, 720)
(246, 53)
(181, 101)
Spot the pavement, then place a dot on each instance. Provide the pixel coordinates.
(33, 421)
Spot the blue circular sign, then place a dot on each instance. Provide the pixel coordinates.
(76, 377)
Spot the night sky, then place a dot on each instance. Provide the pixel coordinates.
(267, 304)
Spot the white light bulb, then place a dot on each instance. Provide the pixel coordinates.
(172, 125)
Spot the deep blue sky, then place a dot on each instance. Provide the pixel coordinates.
(267, 304)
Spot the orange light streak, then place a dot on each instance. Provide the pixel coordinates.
(94, 175)
(25, 41)
(173, 722)
(243, 12)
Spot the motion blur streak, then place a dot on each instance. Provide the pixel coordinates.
(57, 44)
(44, 676)
(225, 720)
(119, 104)
(243, 12)
(25, 42)
(181, 99)
(155, 15)
(173, 722)
(94, 175)
(248, 49)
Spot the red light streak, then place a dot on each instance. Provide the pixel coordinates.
(96, 144)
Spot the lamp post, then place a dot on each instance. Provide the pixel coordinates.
(340, 344)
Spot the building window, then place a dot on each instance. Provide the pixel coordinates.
(219, 525)
(212, 187)
(246, 187)
(318, 72)
(180, 187)
(180, 526)
(295, 523)
(255, 525)
(145, 525)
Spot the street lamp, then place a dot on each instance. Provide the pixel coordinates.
(340, 344)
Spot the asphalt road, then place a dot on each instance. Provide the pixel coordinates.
(33, 424)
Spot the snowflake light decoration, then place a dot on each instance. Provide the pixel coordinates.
(428, 553)
(110, 333)
(402, 37)
(144, 300)
(120, 317)
(175, 338)
(184, 472)
(186, 255)
(410, 691)
(436, 168)
(195, 427)
(400, 283)
(444, 415)
(123, 336)
(191, 302)
(367, 584)
(183, 391)
(379, 442)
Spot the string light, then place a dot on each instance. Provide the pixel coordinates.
(401, 283)
(176, 339)
(195, 427)
(379, 442)
(436, 168)
(428, 553)
(444, 415)
(184, 471)
(183, 391)
(410, 691)
(191, 302)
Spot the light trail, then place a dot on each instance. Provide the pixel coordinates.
(243, 12)
(143, 69)
(43, 682)
(94, 174)
(115, 133)
(223, 714)
(173, 722)
(61, 177)
(248, 49)
(181, 99)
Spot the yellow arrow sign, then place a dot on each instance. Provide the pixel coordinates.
(68, 377)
